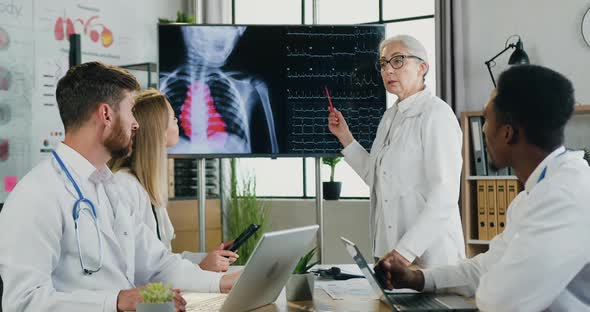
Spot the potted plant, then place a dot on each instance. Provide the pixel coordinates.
(245, 209)
(332, 189)
(181, 17)
(301, 283)
(156, 297)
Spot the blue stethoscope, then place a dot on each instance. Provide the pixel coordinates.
(78, 208)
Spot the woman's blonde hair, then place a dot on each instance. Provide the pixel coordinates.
(148, 159)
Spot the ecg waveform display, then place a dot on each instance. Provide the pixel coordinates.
(259, 90)
(342, 59)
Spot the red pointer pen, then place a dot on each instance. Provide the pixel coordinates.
(329, 98)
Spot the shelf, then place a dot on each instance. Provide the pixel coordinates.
(195, 197)
(151, 67)
(472, 178)
(469, 176)
(478, 242)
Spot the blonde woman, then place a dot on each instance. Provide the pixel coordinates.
(143, 175)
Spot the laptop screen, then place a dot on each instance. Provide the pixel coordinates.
(363, 265)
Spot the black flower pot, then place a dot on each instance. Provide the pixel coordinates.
(332, 190)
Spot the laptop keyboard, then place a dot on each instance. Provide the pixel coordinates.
(206, 305)
(412, 302)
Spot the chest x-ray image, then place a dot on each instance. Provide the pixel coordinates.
(221, 110)
(259, 90)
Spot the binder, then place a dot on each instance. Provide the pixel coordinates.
(502, 204)
(490, 171)
(491, 208)
(171, 193)
(512, 190)
(477, 146)
(503, 172)
(482, 219)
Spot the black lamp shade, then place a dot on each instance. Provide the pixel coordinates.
(518, 56)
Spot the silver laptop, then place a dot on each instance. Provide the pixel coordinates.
(407, 301)
(264, 275)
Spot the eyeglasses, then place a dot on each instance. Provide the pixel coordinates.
(396, 62)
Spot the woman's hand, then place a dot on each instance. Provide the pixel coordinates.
(179, 301)
(339, 127)
(219, 259)
(228, 281)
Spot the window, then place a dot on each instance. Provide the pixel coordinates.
(352, 185)
(295, 177)
(281, 177)
(399, 9)
(347, 11)
(267, 12)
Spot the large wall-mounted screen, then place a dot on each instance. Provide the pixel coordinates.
(260, 90)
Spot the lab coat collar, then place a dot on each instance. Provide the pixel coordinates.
(83, 168)
(412, 105)
(534, 177)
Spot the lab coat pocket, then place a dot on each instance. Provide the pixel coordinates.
(408, 208)
(413, 203)
(404, 164)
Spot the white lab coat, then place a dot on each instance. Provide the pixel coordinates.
(542, 259)
(139, 201)
(39, 260)
(413, 171)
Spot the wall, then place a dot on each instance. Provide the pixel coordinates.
(551, 32)
(34, 56)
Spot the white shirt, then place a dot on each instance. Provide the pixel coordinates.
(139, 201)
(542, 260)
(414, 171)
(39, 259)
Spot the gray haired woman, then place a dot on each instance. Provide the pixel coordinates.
(414, 166)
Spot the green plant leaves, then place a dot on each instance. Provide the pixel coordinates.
(156, 293)
(245, 209)
(181, 17)
(303, 264)
(331, 161)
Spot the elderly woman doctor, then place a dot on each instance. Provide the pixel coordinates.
(414, 166)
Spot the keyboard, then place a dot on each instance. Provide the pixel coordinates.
(415, 302)
(197, 302)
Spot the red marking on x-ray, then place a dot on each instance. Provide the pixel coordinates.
(215, 123)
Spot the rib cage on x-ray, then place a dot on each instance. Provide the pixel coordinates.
(229, 104)
(209, 93)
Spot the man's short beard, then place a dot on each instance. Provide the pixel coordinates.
(118, 144)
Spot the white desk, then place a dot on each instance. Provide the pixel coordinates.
(355, 301)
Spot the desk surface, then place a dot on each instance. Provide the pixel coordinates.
(324, 302)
